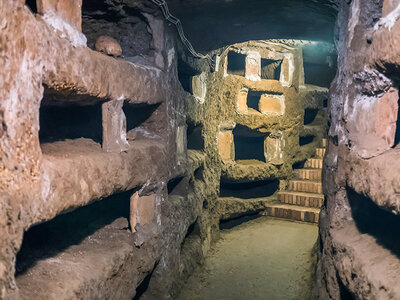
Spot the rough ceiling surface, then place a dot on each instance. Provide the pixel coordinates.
(213, 24)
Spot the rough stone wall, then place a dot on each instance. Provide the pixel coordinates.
(359, 249)
(69, 195)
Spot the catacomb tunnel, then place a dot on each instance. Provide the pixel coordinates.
(193, 150)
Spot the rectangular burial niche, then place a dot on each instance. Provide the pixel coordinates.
(70, 121)
(236, 63)
(306, 139)
(253, 99)
(249, 144)
(194, 138)
(375, 221)
(249, 190)
(270, 68)
(309, 115)
(48, 239)
(140, 115)
(185, 74)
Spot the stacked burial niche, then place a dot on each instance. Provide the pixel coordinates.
(94, 180)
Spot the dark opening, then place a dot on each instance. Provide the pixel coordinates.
(380, 223)
(309, 115)
(137, 114)
(249, 190)
(249, 144)
(178, 186)
(58, 123)
(193, 229)
(397, 134)
(253, 99)
(32, 5)
(52, 237)
(194, 137)
(345, 293)
(318, 74)
(198, 173)
(271, 69)
(325, 103)
(299, 164)
(235, 221)
(144, 285)
(185, 74)
(305, 140)
(236, 63)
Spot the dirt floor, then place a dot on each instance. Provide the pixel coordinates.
(264, 258)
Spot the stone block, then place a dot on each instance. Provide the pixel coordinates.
(142, 210)
(199, 87)
(253, 66)
(181, 139)
(287, 70)
(241, 104)
(273, 149)
(271, 104)
(226, 145)
(114, 127)
(68, 10)
(373, 123)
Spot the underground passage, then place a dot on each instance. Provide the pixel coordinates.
(197, 150)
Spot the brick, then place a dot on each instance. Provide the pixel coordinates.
(241, 104)
(253, 66)
(310, 174)
(142, 210)
(114, 127)
(226, 145)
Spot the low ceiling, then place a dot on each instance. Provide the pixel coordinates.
(211, 24)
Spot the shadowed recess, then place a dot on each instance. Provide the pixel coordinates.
(58, 123)
(52, 237)
(194, 136)
(309, 115)
(248, 190)
(370, 219)
(236, 63)
(249, 144)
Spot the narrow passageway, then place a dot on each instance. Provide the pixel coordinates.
(265, 258)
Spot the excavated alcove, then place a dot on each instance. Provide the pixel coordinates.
(373, 220)
(236, 63)
(265, 102)
(249, 190)
(309, 115)
(178, 186)
(124, 24)
(249, 144)
(143, 119)
(185, 75)
(67, 234)
(194, 137)
(270, 68)
(305, 140)
(61, 122)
